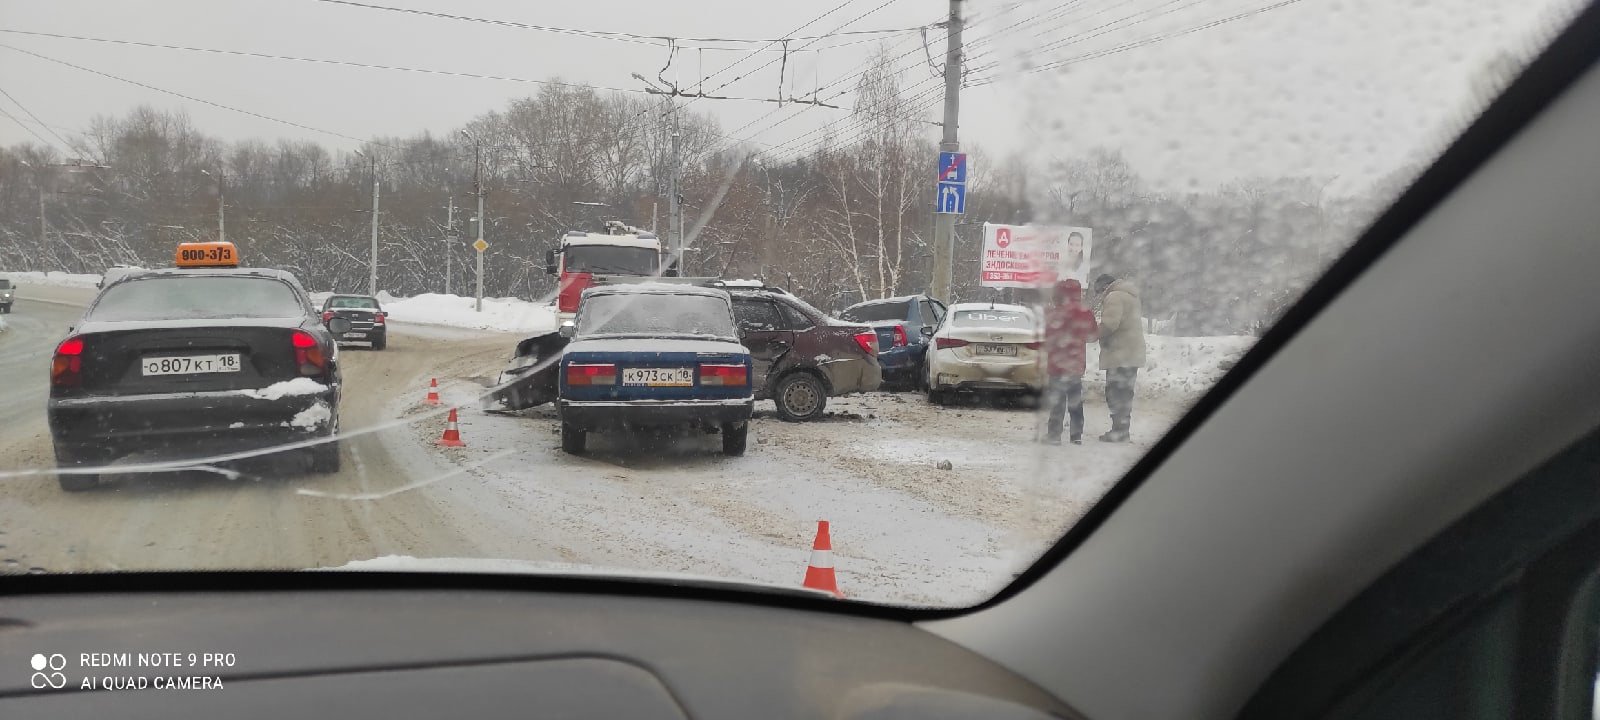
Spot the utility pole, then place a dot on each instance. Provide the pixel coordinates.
(477, 189)
(372, 263)
(674, 200)
(449, 241)
(222, 220)
(44, 225)
(944, 224)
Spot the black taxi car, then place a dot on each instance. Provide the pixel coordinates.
(194, 362)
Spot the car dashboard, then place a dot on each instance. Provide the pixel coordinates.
(482, 653)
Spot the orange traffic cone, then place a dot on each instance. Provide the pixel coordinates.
(452, 434)
(819, 574)
(433, 392)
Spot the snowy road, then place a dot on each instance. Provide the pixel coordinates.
(903, 530)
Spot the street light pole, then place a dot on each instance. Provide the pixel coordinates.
(449, 241)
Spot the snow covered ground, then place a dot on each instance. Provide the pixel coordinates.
(903, 530)
(499, 314)
(1180, 367)
(54, 279)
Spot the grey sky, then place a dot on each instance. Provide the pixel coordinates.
(1326, 87)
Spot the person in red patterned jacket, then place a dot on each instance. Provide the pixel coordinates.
(1069, 324)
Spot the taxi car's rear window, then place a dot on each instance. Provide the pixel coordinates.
(656, 314)
(352, 302)
(992, 318)
(196, 298)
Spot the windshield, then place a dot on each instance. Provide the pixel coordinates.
(656, 315)
(1191, 167)
(196, 298)
(898, 310)
(608, 259)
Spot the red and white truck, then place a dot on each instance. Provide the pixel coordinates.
(622, 251)
(582, 259)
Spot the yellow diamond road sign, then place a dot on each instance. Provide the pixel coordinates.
(480, 245)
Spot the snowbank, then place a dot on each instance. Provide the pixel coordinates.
(56, 279)
(1183, 368)
(501, 314)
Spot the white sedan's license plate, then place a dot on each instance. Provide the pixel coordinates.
(191, 364)
(659, 377)
(988, 349)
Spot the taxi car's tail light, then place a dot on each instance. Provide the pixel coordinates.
(868, 340)
(307, 353)
(591, 374)
(724, 375)
(327, 316)
(377, 318)
(945, 342)
(66, 370)
(900, 336)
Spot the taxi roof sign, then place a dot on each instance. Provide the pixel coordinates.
(207, 254)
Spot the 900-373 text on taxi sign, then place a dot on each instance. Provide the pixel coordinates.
(213, 254)
(191, 364)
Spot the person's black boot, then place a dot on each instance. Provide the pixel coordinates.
(1118, 432)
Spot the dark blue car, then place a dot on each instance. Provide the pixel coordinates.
(903, 325)
(653, 355)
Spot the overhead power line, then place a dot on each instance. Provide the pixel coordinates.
(1148, 40)
(817, 92)
(769, 63)
(1121, 23)
(638, 38)
(347, 63)
(64, 144)
(25, 126)
(190, 98)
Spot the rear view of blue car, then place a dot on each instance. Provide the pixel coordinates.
(903, 325)
(654, 355)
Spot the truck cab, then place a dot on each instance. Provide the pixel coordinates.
(583, 255)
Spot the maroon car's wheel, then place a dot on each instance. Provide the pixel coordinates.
(800, 396)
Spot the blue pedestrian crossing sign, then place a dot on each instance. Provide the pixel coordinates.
(951, 199)
(953, 167)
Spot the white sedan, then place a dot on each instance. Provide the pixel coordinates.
(985, 347)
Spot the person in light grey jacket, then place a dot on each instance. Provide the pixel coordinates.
(1122, 350)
